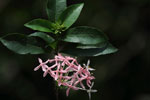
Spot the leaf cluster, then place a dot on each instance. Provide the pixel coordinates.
(58, 36)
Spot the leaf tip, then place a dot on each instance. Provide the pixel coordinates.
(81, 5)
(26, 24)
(116, 50)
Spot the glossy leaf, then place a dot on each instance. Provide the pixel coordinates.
(110, 49)
(55, 8)
(101, 45)
(70, 15)
(43, 36)
(40, 25)
(20, 48)
(91, 52)
(85, 35)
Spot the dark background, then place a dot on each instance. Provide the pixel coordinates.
(124, 75)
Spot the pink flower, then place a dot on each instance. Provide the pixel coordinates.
(42, 65)
(67, 72)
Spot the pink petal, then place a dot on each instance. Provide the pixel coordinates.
(75, 88)
(37, 68)
(67, 92)
(50, 61)
(45, 73)
(82, 85)
(53, 66)
(59, 83)
(40, 60)
(88, 83)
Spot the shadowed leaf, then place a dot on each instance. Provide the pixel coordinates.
(43, 36)
(20, 48)
(107, 49)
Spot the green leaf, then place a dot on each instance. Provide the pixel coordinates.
(110, 49)
(43, 36)
(55, 8)
(85, 35)
(40, 25)
(101, 45)
(54, 44)
(83, 52)
(20, 48)
(107, 49)
(70, 15)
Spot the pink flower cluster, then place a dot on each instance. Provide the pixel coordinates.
(67, 72)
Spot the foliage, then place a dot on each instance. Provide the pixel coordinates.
(88, 41)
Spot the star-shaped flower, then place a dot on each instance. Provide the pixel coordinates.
(90, 90)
